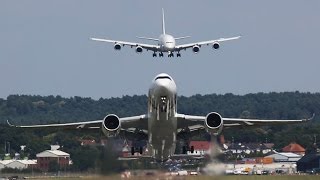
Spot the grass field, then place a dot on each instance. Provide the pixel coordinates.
(242, 177)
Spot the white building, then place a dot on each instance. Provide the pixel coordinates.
(4, 163)
(285, 157)
(17, 164)
(22, 164)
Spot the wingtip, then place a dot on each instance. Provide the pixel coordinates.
(9, 124)
(312, 117)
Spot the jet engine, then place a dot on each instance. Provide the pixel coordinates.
(195, 48)
(213, 123)
(111, 125)
(215, 45)
(139, 49)
(117, 46)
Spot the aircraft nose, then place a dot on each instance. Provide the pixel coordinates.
(163, 87)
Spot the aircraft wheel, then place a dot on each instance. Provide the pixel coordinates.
(132, 151)
(192, 149)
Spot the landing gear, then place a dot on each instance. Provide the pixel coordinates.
(192, 149)
(154, 55)
(170, 55)
(161, 54)
(178, 54)
(185, 149)
(134, 150)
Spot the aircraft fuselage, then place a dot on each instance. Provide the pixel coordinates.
(167, 43)
(162, 122)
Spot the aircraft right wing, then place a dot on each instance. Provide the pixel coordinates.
(150, 47)
(194, 123)
(190, 45)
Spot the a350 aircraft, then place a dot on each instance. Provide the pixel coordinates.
(162, 125)
(166, 43)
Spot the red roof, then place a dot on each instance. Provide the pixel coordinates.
(200, 145)
(86, 142)
(293, 147)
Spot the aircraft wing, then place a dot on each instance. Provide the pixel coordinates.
(194, 123)
(127, 123)
(131, 44)
(189, 45)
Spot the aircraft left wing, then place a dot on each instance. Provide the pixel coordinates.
(127, 123)
(194, 123)
(131, 44)
(190, 45)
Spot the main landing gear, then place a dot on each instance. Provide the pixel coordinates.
(185, 149)
(169, 54)
(134, 150)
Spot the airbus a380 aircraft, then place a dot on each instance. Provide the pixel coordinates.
(166, 43)
(162, 125)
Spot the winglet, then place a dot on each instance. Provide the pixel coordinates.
(313, 115)
(11, 125)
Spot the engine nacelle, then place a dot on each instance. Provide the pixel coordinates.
(139, 49)
(213, 123)
(196, 48)
(111, 125)
(117, 46)
(215, 45)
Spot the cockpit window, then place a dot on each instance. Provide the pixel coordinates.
(169, 42)
(163, 77)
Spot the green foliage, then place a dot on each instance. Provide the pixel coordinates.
(27, 110)
(85, 157)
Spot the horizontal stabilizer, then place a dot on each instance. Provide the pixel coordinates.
(153, 39)
(183, 37)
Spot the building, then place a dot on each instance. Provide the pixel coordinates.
(248, 148)
(22, 164)
(309, 162)
(200, 147)
(285, 157)
(44, 158)
(88, 142)
(294, 148)
(18, 164)
(4, 163)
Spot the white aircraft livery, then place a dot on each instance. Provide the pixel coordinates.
(162, 125)
(166, 43)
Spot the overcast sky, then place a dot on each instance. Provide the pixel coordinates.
(45, 47)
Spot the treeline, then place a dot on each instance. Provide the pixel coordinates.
(27, 110)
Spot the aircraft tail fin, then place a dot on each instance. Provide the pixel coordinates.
(163, 23)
